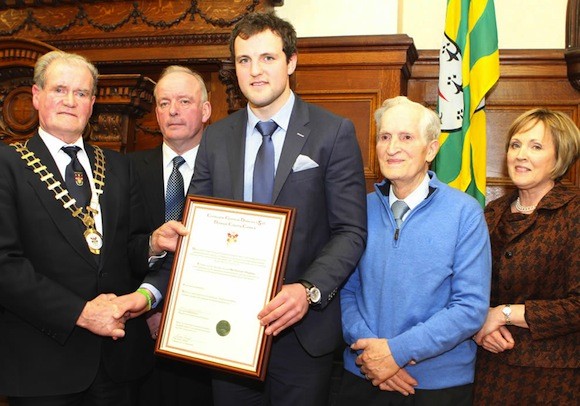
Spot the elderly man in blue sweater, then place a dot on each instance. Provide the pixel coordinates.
(421, 289)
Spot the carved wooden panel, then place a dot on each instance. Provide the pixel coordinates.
(131, 31)
(18, 118)
(121, 101)
(528, 79)
(351, 76)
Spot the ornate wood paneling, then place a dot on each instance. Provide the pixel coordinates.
(74, 20)
(128, 31)
(351, 76)
(528, 79)
(18, 118)
(120, 100)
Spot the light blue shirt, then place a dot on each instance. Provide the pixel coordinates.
(254, 140)
(415, 198)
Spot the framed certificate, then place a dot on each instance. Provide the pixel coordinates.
(229, 266)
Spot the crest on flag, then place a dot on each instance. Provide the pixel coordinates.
(450, 87)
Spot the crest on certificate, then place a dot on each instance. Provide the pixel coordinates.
(232, 237)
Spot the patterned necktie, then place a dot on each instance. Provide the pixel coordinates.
(174, 197)
(263, 184)
(399, 209)
(77, 182)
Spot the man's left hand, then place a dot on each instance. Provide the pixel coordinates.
(376, 361)
(287, 308)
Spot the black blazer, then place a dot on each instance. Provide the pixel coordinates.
(47, 274)
(330, 201)
(149, 166)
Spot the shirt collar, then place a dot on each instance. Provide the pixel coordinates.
(282, 117)
(169, 154)
(54, 144)
(416, 196)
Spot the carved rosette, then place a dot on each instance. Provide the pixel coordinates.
(18, 118)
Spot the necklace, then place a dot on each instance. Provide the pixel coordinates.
(524, 209)
(93, 238)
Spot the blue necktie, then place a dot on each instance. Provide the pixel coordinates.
(263, 184)
(75, 177)
(399, 209)
(174, 197)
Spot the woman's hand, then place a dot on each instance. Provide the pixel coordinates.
(498, 341)
(494, 336)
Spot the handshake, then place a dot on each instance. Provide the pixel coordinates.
(107, 314)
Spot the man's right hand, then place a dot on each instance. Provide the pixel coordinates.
(166, 236)
(98, 317)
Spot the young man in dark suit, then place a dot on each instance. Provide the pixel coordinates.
(182, 110)
(318, 170)
(72, 241)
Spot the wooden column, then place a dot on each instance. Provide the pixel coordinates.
(121, 100)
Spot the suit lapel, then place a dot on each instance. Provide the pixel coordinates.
(296, 137)
(111, 205)
(236, 148)
(152, 173)
(71, 228)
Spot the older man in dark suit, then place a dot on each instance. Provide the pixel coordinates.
(318, 170)
(72, 239)
(182, 110)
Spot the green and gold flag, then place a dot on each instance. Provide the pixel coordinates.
(468, 69)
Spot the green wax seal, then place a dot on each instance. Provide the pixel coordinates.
(223, 328)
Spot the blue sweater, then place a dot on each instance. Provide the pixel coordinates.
(426, 290)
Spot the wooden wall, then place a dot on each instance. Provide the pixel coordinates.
(131, 42)
(528, 79)
(351, 76)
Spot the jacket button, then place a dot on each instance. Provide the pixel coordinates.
(104, 274)
(509, 254)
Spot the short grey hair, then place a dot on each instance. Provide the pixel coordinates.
(430, 124)
(183, 69)
(45, 60)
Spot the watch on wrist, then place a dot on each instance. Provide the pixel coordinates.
(507, 312)
(313, 294)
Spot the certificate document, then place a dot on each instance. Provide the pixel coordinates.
(225, 271)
